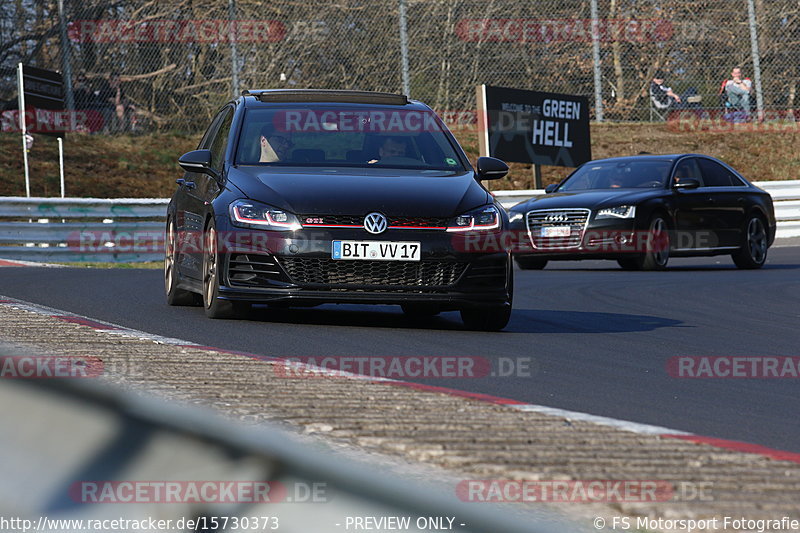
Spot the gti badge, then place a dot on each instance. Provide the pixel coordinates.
(375, 223)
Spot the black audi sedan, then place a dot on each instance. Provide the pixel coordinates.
(305, 197)
(641, 210)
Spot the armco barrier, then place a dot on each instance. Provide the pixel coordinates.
(124, 230)
(86, 432)
(118, 230)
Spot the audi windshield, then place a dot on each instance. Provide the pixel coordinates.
(637, 174)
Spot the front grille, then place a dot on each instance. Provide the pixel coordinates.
(416, 222)
(574, 219)
(358, 220)
(331, 220)
(310, 271)
(252, 270)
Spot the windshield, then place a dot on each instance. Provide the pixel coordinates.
(346, 136)
(636, 174)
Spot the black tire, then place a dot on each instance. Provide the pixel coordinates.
(421, 310)
(530, 263)
(492, 318)
(175, 296)
(753, 252)
(657, 254)
(629, 263)
(214, 307)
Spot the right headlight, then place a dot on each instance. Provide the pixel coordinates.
(622, 211)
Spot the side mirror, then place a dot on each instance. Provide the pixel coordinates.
(490, 168)
(197, 161)
(550, 188)
(686, 183)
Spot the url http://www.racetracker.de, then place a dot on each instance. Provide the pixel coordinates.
(203, 523)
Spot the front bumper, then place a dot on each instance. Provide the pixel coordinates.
(275, 267)
(599, 239)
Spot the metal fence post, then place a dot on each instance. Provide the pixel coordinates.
(234, 54)
(751, 12)
(23, 128)
(404, 47)
(598, 78)
(66, 66)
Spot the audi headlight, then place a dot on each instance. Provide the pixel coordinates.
(248, 214)
(622, 211)
(485, 218)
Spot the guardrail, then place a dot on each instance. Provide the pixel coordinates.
(785, 195)
(103, 432)
(124, 230)
(117, 230)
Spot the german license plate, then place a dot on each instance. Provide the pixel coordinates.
(556, 231)
(376, 250)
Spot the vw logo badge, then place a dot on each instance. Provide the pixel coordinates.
(375, 223)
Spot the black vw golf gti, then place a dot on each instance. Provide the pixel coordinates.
(641, 210)
(305, 197)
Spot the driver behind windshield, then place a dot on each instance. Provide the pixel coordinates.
(391, 147)
(274, 146)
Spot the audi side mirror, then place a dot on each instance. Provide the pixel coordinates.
(551, 188)
(490, 168)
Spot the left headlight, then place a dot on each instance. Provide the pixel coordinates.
(249, 214)
(622, 211)
(484, 218)
(513, 216)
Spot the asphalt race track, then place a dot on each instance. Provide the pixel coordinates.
(600, 337)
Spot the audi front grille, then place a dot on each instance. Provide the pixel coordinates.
(569, 224)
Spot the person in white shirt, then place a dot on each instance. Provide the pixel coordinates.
(738, 90)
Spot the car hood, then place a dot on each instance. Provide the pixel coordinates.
(350, 191)
(589, 199)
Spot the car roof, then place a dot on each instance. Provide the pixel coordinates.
(649, 157)
(264, 97)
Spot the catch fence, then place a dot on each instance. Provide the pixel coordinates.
(178, 61)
